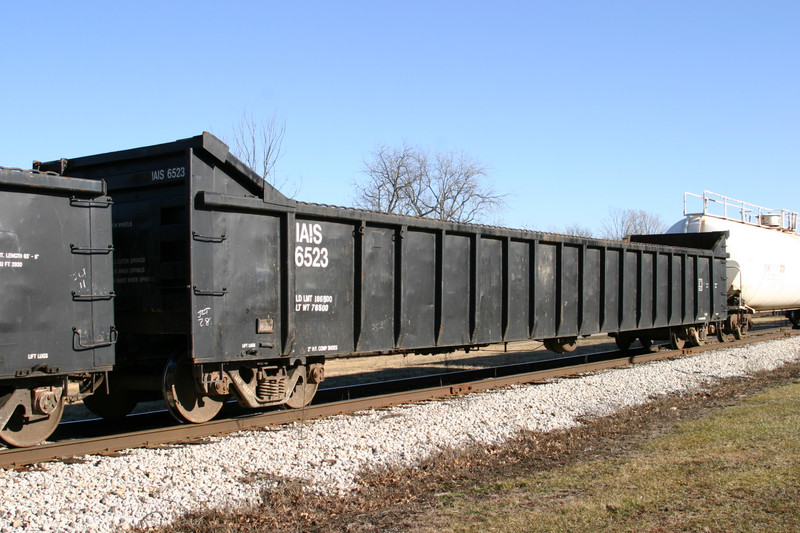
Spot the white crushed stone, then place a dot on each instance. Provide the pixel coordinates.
(152, 487)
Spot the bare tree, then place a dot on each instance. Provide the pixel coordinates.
(456, 190)
(576, 230)
(621, 223)
(409, 181)
(259, 144)
(392, 181)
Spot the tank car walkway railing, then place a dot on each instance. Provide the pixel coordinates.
(717, 205)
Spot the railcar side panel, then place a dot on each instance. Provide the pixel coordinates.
(455, 290)
(676, 289)
(323, 297)
(545, 285)
(489, 319)
(629, 282)
(612, 290)
(519, 290)
(236, 284)
(690, 290)
(418, 291)
(591, 287)
(377, 290)
(661, 290)
(647, 295)
(568, 290)
(703, 294)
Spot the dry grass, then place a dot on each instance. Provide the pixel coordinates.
(737, 470)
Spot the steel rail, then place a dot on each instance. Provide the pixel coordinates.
(105, 445)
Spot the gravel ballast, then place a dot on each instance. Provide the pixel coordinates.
(152, 487)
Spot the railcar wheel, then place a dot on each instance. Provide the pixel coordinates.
(623, 342)
(184, 402)
(114, 404)
(27, 429)
(747, 324)
(561, 345)
(697, 337)
(303, 393)
(646, 342)
(676, 340)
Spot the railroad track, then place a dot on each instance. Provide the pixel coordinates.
(344, 400)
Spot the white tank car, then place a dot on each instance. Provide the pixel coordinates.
(764, 249)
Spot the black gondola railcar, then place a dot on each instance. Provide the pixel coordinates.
(56, 311)
(225, 286)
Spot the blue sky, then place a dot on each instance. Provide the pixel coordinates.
(576, 107)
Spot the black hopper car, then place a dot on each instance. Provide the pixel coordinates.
(222, 287)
